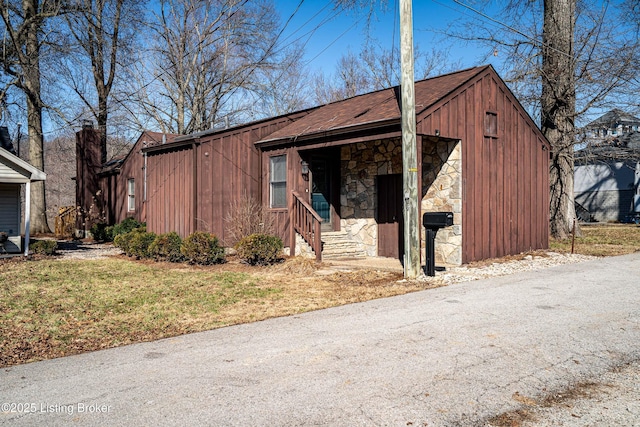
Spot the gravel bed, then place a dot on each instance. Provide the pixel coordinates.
(85, 250)
(528, 263)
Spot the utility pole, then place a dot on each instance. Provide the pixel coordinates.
(409, 154)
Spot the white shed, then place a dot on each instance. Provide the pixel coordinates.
(15, 172)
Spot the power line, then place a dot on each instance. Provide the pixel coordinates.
(496, 21)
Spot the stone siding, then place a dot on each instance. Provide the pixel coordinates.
(442, 192)
(441, 182)
(364, 231)
(360, 164)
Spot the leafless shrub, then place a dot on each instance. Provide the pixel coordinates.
(246, 216)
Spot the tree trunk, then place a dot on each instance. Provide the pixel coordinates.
(34, 115)
(558, 104)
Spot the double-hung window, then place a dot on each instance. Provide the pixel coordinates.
(278, 181)
(131, 194)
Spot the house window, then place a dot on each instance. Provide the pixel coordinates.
(131, 194)
(491, 124)
(278, 181)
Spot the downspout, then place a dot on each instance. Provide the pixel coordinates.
(144, 191)
(195, 187)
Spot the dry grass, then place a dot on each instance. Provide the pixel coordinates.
(51, 308)
(602, 240)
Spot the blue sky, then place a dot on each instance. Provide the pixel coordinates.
(328, 35)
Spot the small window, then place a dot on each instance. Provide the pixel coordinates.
(491, 124)
(278, 181)
(131, 194)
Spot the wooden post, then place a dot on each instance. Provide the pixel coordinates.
(409, 157)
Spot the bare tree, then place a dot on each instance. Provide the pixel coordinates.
(25, 26)
(563, 59)
(206, 56)
(279, 90)
(375, 68)
(103, 35)
(558, 108)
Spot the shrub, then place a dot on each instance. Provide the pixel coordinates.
(140, 242)
(202, 248)
(260, 249)
(166, 247)
(43, 247)
(247, 216)
(100, 232)
(123, 241)
(126, 226)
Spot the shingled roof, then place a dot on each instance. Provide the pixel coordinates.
(375, 108)
(614, 118)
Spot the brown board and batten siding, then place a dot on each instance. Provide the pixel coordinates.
(194, 181)
(504, 168)
(170, 191)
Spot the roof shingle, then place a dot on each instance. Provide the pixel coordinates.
(370, 108)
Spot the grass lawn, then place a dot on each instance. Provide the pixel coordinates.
(56, 307)
(602, 240)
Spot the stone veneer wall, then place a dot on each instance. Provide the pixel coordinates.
(360, 164)
(441, 184)
(442, 192)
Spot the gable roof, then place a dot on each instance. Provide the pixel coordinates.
(16, 171)
(371, 109)
(147, 139)
(614, 118)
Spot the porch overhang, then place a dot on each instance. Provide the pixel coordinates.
(382, 129)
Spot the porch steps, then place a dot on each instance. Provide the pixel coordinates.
(336, 244)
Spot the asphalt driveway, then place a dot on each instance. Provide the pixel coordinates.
(443, 357)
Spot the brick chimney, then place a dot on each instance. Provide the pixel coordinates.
(88, 165)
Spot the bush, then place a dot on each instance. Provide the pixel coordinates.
(247, 216)
(43, 247)
(140, 242)
(126, 226)
(123, 241)
(101, 232)
(260, 249)
(166, 247)
(202, 248)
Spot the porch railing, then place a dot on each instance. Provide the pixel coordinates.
(307, 223)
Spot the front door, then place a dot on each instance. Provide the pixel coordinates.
(390, 218)
(321, 190)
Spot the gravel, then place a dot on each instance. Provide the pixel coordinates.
(85, 250)
(528, 263)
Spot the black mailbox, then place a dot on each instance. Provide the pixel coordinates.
(434, 221)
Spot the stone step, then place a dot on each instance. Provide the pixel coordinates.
(337, 244)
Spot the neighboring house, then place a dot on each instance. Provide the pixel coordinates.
(14, 172)
(607, 170)
(334, 173)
